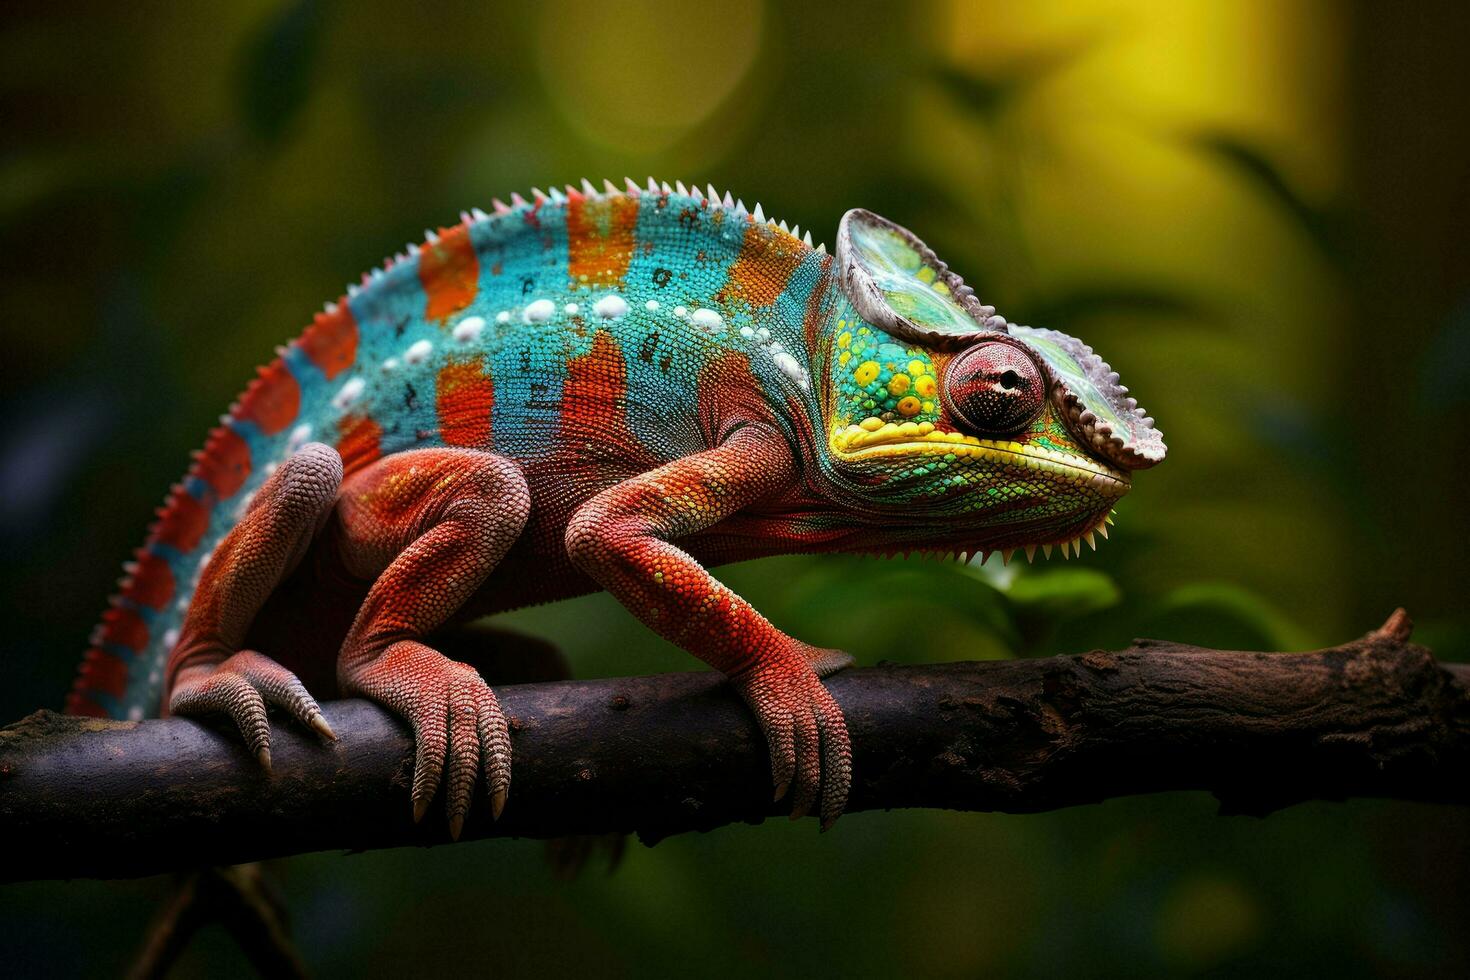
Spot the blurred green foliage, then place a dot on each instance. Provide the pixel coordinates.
(1255, 211)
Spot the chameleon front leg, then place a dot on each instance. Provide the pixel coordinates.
(208, 671)
(624, 538)
(430, 525)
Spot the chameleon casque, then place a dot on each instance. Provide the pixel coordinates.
(600, 390)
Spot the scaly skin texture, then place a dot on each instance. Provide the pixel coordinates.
(600, 390)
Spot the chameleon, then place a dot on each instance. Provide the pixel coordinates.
(589, 389)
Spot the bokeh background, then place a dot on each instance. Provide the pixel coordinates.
(1258, 212)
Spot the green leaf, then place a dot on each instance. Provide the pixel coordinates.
(1221, 614)
(1064, 593)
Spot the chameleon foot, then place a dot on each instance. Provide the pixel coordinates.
(804, 727)
(241, 686)
(456, 720)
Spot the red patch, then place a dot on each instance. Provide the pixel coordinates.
(152, 582)
(331, 341)
(101, 671)
(125, 628)
(225, 462)
(272, 401)
(78, 704)
(359, 443)
(464, 400)
(595, 437)
(182, 523)
(449, 270)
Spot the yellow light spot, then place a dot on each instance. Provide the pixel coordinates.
(916, 367)
(928, 407)
(898, 384)
(844, 339)
(925, 385)
(866, 372)
(941, 287)
(926, 274)
(908, 406)
(844, 357)
(871, 424)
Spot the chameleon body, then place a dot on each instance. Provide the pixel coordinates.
(600, 390)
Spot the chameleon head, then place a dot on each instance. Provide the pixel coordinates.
(933, 406)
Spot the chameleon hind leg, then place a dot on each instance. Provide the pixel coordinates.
(208, 669)
(624, 538)
(428, 527)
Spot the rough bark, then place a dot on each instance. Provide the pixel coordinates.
(679, 752)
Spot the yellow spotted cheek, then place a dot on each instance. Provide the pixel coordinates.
(908, 407)
(925, 386)
(898, 384)
(866, 372)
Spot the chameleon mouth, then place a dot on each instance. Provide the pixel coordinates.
(894, 439)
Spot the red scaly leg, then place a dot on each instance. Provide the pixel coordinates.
(207, 669)
(430, 525)
(623, 539)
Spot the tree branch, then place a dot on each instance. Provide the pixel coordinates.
(677, 752)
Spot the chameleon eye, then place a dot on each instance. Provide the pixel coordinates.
(994, 388)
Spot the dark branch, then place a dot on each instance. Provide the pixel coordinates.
(678, 752)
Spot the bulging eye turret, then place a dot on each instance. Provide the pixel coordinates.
(994, 387)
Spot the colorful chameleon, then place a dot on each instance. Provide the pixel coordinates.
(601, 390)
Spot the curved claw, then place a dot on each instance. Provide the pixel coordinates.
(458, 728)
(805, 731)
(241, 686)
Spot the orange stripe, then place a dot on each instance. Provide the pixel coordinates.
(449, 270)
(464, 399)
(331, 341)
(182, 522)
(225, 462)
(152, 584)
(600, 239)
(272, 401)
(359, 443)
(125, 628)
(101, 671)
(767, 260)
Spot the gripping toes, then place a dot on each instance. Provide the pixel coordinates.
(811, 755)
(241, 686)
(458, 728)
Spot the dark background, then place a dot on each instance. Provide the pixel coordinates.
(1257, 212)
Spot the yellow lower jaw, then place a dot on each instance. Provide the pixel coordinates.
(874, 438)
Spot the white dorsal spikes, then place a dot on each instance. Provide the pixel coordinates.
(666, 188)
(712, 194)
(477, 214)
(500, 206)
(729, 200)
(758, 214)
(633, 188)
(430, 237)
(587, 188)
(516, 201)
(740, 207)
(537, 194)
(807, 238)
(557, 197)
(796, 231)
(653, 187)
(679, 186)
(783, 226)
(607, 187)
